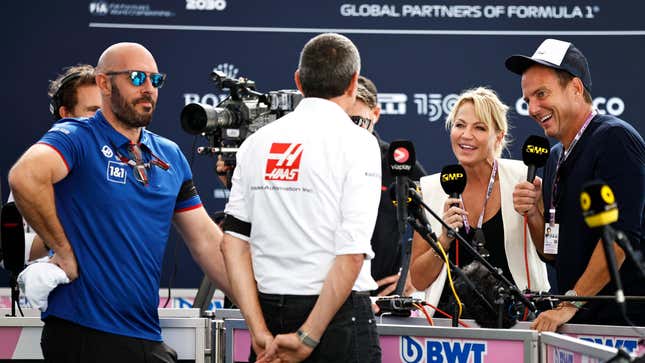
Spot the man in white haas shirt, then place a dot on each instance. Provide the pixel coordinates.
(301, 212)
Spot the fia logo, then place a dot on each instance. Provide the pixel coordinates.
(107, 152)
(99, 8)
(283, 163)
(229, 69)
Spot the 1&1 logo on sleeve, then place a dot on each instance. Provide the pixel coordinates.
(283, 162)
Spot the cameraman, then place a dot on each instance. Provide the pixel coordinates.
(299, 219)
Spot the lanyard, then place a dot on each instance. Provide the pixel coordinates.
(563, 157)
(489, 191)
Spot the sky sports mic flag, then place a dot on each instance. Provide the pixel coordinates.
(535, 153)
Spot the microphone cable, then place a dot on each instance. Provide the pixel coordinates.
(526, 264)
(450, 280)
(445, 314)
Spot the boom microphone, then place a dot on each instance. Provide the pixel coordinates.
(12, 239)
(453, 182)
(535, 153)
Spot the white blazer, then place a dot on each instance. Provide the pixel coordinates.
(510, 172)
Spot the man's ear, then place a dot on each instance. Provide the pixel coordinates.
(296, 77)
(353, 86)
(103, 83)
(578, 86)
(376, 112)
(64, 112)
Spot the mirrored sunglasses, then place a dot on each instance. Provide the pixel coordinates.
(138, 78)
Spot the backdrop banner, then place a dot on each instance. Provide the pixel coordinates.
(420, 56)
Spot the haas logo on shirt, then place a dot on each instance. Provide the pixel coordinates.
(283, 162)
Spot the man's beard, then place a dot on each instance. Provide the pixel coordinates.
(126, 113)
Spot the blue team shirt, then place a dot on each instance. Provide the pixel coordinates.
(118, 228)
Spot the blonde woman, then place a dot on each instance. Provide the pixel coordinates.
(478, 130)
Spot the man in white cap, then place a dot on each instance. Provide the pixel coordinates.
(556, 84)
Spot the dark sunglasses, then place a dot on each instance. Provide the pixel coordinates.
(361, 121)
(138, 78)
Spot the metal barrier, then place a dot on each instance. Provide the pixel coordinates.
(222, 336)
(182, 329)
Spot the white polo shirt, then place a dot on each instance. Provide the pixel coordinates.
(309, 184)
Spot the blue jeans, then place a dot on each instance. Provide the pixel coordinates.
(351, 336)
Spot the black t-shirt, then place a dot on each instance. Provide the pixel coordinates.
(494, 235)
(385, 239)
(612, 151)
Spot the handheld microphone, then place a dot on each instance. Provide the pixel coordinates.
(401, 158)
(12, 239)
(535, 154)
(453, 182)
(599, 210)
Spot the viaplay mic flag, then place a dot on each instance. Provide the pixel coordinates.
(283, 162)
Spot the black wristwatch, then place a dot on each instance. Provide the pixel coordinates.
(306, 339)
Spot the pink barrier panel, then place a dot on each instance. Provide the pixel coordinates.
(430, 349)
(8, 341)
(554, 354)
(629, 344)
(422, 349)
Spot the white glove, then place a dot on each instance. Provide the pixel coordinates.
(37, 280)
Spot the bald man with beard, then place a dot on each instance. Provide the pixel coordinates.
(102, 192)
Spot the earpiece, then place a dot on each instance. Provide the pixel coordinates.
(56, 100)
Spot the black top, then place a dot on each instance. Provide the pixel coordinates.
(494, 234)
(385, 239)
(613, 151)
